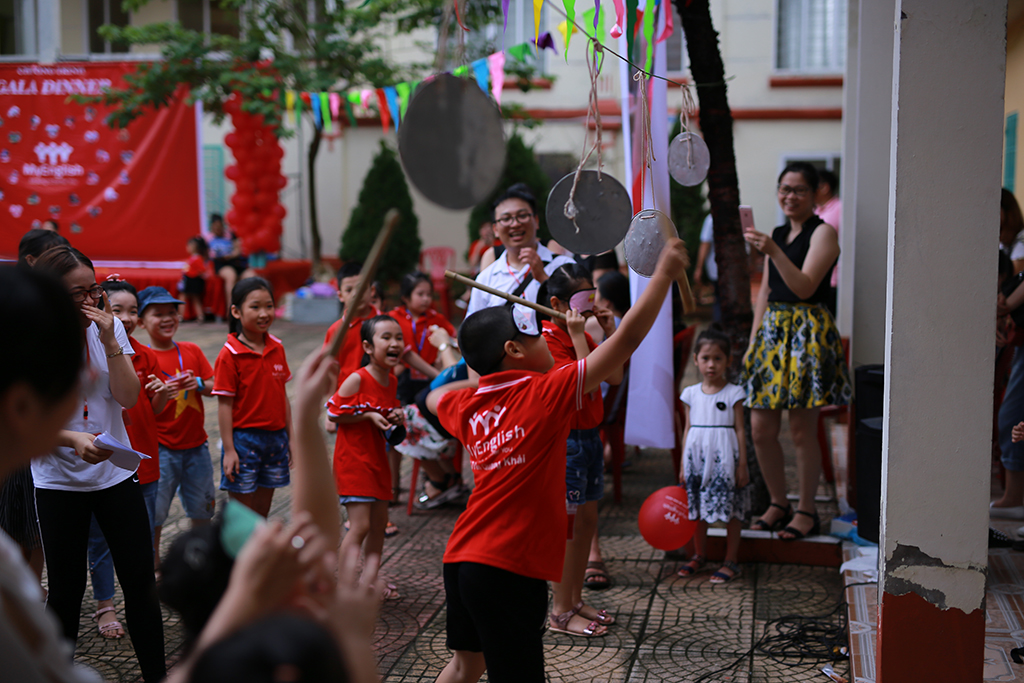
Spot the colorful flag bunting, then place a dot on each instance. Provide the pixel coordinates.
(325, 112)
(620, 17)
(496, 63)
(392, 96)
(403, 98)
(570, 19)
(537, 4)
(649, 16)
(385, 115)
(482, 72)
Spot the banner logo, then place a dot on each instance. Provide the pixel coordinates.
(53, 152)
(487, 419)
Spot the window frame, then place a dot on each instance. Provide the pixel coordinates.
(839, 55)
(32, 31)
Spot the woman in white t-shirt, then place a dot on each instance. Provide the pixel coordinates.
(75, 481)
(38, 394)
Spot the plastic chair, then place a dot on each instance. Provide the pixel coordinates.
(613, 429)
(682, 344)
(434, 261)
(410, 508)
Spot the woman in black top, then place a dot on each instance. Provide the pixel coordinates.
(795, 359)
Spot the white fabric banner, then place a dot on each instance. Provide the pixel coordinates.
(650, 410)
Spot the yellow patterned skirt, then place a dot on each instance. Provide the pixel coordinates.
(796, 360)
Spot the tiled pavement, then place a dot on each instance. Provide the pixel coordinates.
(669, 629)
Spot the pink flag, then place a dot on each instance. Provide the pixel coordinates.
(496, 63)
(335, 100)
(365, 97)
(620, 18)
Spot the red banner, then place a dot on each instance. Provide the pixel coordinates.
(129, 194)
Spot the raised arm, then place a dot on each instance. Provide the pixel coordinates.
(610, 355)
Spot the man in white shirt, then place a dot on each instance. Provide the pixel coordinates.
(524, 263)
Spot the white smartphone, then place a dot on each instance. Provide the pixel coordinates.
(746, 217)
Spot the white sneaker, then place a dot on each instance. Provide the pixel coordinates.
(1016, 512)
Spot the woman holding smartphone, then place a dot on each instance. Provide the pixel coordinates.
(795, 360)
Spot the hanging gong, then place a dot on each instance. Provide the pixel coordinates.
(603, 212)
(452, 142)
(648, 233)
(688, 159)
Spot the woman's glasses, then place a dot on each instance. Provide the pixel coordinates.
(786, 190)
(80, 295)
(510, 219)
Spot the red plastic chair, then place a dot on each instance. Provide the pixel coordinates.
(410, 508)
(434, 261)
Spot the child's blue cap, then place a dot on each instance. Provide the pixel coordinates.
(155, 295)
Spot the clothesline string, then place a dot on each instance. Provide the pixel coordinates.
(603, 46)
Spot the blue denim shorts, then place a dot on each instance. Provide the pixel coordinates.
(189, 473)
(262, 461)
(584, 467)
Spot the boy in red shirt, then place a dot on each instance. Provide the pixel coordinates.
(514, 426)
(185, 465)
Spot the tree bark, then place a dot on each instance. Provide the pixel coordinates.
(723, 184)
(314, 222)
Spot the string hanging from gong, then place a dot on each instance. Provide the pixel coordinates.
(451, 10)
(685, 112)
(594, 64)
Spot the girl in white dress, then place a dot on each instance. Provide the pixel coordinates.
(715, 457)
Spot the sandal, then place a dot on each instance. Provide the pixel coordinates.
(390, 530)
(695, 565)
(559, 623)
(721, 576)
(777, 525)
(109, 629)
(796, 534)
(601, 616)
(390, 592)
(596, 577)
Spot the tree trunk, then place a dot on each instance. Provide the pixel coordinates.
(724, 195)
(314, 223)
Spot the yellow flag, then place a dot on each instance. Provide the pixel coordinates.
(537, 4)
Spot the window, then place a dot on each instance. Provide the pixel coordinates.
(17, 27)
(675, 46)
(213, 179)
(810, 36)
(1010, 152)
(488, 39)
(100, 13)
(207, 16)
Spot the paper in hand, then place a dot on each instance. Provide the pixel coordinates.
(124, 456)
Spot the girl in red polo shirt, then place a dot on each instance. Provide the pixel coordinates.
(570, 288)
(253, 411)
(366, 408)
(417, 319)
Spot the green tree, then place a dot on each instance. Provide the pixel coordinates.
(384, 188)
(300, 45)
(520, 167)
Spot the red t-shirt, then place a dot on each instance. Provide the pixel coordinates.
(416, 334)
(360, 458)
(195, 266)
(350, 355)
(180, 425)
(515, 432)
(562, 350)
(140, 420)
(255, 381)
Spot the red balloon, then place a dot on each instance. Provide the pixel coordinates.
(281, 182)
(278, 211)
(233, 105)
(232, 217)
(232, 172)
(264, 199)
(252, 222)
(246, 138)
(267, 183)
(250, 169)
(242, 155)
(231, 140)
(277, 152)
(242, 202)
(665, 519)
(245, 185)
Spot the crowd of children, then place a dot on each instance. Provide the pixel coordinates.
(404, 385)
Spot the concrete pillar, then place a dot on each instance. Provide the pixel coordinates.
(865, 215)
(847, 173)
(948, 80)
(48, 31)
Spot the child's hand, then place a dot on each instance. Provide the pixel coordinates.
(156, 386)
(742, 476)
(606, 319)
(396, 416)
(87, 450)
(575, 322)
(317, 378)
(1018, 432)
(439, 336)
(187, 381)
(230, 464)
(673, 260)
(378, 420)
(350, 610)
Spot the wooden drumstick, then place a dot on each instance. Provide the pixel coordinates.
(366, 277)
(550, 312)
(685, 292)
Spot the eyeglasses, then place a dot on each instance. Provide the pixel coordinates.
(80, 295)
(786, 190)
(510, 219)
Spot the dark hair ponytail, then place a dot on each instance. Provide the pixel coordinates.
(238, 295)
(113, 286)
(36, 242)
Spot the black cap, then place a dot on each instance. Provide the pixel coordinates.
(483, 335)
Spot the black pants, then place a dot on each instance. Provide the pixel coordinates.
(500, 614)
(120, 511)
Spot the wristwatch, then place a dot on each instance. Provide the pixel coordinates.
(442, 347)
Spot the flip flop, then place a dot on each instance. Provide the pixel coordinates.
(696, 564)
(108, 629)
(720, 577)
(390, 592)
(596, 577)
(559, 623)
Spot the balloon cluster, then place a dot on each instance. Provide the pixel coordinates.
(256, 212)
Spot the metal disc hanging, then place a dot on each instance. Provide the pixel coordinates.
(603, 212)
(452, 142)
(688, 159)
(648, 233)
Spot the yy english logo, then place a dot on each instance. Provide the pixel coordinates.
(52, 153)
(488, 419)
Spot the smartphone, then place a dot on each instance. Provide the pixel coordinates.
(746, 217)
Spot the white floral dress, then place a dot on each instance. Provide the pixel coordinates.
(711, 453)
